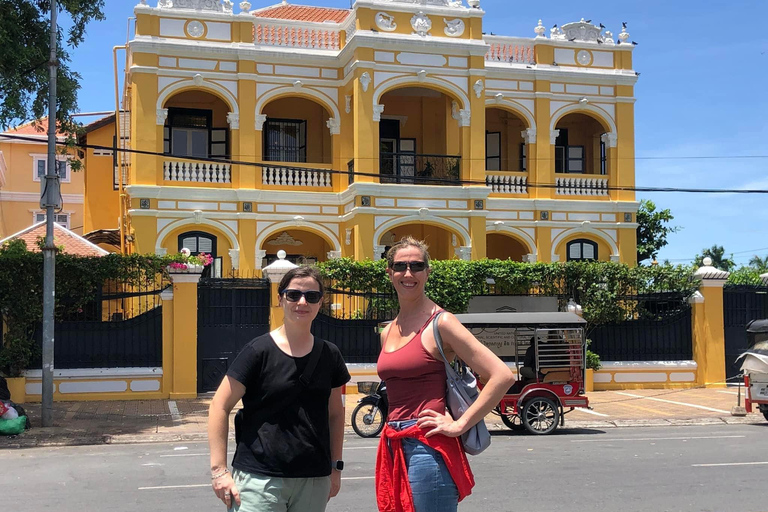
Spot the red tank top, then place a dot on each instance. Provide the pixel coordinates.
(415, 380)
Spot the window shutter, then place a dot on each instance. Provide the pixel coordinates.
(205, 245)
(190, 243)
(40, 168)
(61, 167)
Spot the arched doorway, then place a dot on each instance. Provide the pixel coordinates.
(441, 241)
(302, 247)
(196, 125)
(505, 147)
(296, 131)
(505, 247)
(419, 136)
(579, 148)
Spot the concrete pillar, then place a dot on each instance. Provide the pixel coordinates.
(275, 273)
(709, 325)
(183, 378)
(167, 382)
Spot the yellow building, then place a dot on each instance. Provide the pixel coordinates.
(22, 161)
(338, 131)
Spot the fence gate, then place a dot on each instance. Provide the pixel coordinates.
(741, 304)
(230, 313)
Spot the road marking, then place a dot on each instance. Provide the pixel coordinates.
(729, 464)
(734, 393)
(159, 487)
(673, 402)
(589, 411)
(653, 439)
(175, 414)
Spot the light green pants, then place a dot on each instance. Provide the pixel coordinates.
(259, 493)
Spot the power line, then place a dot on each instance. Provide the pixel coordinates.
(415, 179)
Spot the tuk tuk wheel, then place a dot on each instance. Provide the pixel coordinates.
(540, 415)
(512, 421)
(763, 409)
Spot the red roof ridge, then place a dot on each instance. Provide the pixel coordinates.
(307, 13)
(72, 242)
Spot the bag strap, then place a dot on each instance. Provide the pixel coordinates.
(314, 357)
(439, 343)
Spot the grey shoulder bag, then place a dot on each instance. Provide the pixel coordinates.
(461, 392)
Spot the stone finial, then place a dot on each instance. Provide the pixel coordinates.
(276, 270)
(540, 30)
(245, 7)
(709, 275)
(623, 35)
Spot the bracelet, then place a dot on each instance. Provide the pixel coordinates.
(219, 475)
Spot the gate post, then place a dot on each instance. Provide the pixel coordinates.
(709, 326)
(275, 273)
(183, 361)
(167, 381)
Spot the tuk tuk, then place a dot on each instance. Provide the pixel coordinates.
(755, 366)
(549, 354)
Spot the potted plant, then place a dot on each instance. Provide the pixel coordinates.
(15, 357)
(186, 263)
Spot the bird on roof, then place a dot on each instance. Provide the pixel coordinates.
(572, 39)
(634, 43)
(554, 26)
(588, 21)
(602, 26)
(623, 24)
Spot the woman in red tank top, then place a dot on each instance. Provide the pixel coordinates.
(421, 465)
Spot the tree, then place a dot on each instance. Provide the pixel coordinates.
(24, 72)
(759, 264)
(652, 229)
(717, 253)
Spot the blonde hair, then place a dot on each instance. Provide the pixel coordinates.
(408, 241)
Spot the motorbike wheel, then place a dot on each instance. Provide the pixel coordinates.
(367, 420)
(513, 422)
(540, 415)
(764, 410)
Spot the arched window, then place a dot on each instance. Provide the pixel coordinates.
(581, 250)
(200, 241)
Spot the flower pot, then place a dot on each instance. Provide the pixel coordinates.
(189, 269)
(589, 380)
(18, 388)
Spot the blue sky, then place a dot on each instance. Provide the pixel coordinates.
(701, 93)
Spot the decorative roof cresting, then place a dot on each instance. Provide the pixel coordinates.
(579, 31)
(197, 5)
(422, 3)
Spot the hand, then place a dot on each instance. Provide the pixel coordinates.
(439, 423)
(225, 490)
(335, 483)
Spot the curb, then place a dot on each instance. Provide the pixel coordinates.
(29, 440)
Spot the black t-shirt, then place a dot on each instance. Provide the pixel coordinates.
(281, 436)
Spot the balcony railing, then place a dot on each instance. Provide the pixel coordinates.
(507, 183)
(269, 32)
(510, 49)
(582, 185)
(202, 172)
(295, 177)
(419, 169)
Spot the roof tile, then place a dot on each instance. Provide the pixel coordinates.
(304, 13)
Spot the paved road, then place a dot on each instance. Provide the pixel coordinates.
(680, 469)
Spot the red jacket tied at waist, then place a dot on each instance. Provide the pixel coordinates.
(393, 491)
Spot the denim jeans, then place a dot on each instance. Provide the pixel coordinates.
(431, 484)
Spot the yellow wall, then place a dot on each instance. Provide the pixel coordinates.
(102, 207)
(510, 126)
(312, 245)
(16, 211)
(584, 130)
(438, 239)
(201, 100)
(426, 119)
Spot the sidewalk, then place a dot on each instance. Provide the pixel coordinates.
(114, 422)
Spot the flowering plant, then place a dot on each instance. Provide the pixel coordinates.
(184, 260)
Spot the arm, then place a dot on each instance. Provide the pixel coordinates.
(229, 393)
(457, 340)
(336, 424)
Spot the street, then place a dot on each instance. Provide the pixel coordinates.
(686, 469)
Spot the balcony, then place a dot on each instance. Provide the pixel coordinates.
(501, 182)
(581, 185)
(286, 176)
(198, 172)
(515, 50)
(419, 169)
(297, 34)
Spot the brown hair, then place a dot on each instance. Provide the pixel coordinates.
(408, 241)
(300, 272)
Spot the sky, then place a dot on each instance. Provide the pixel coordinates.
(701, 107)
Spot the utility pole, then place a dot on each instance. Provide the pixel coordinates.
(48, 200)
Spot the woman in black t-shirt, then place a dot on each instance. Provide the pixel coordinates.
(290, 435)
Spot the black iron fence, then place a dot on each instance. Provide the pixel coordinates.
(419, 169)
(741, 305)
(350, 320)
(121, 328)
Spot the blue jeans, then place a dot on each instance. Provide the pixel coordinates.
(431, 484)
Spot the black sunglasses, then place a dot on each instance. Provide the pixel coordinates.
(415, 266)
(311, 296)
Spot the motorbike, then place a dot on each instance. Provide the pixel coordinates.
(370, 414)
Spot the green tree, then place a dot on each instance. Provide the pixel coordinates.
(759, 264)
(717, 253)
(24, 73)
(652, 230)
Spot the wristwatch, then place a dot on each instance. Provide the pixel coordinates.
(338, 465)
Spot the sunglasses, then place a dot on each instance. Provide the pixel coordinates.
(311, 296)
(414, 266)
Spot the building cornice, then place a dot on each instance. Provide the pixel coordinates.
(34, 197)
(562, 205)
(413, 8)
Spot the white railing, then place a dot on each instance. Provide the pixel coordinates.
(350, 27)
(509, 49)
(293, 177)
(506, 184)
(268, 32)
(203, 172)
(582, 186)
